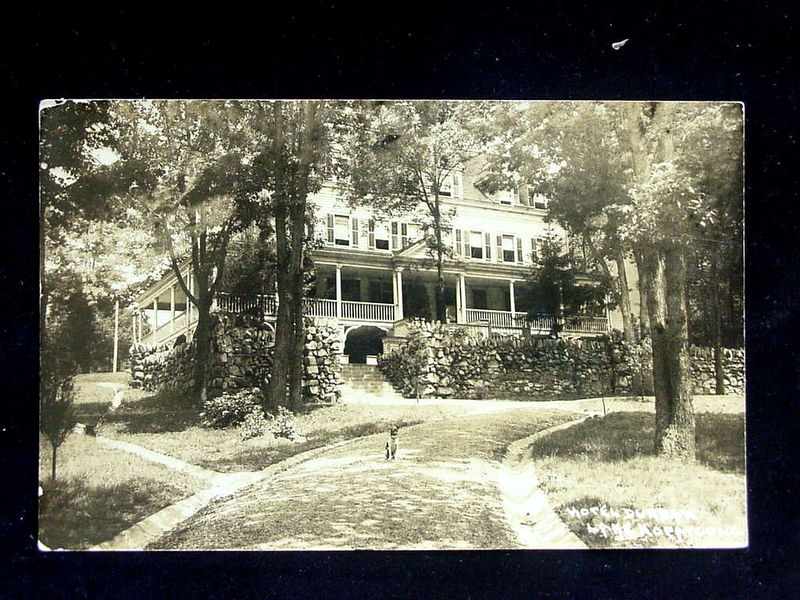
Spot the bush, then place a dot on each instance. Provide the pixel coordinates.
(282, 423)
(230, 410)
(255, 424)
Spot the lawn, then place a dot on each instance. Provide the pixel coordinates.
(170, 424)
(100, 492)
(605, 481)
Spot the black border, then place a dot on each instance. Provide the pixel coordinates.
(740, 51)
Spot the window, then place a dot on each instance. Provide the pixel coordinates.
(476, 244)
(479, 299)
(341, 230)
(539, 201)
(508, 249)
(506, 197)
(536, 249)
(380, 290)
(378, 236)
(451, 185)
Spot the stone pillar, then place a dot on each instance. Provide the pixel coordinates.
(338, 291)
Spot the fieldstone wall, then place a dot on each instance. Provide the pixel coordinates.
(437, 362)
(241, 356)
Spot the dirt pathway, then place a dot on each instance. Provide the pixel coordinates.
(442, 492)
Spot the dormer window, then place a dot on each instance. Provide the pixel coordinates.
(507, 197)
(538, 200)
(451, 185)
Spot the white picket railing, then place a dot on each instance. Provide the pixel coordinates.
(503, 319)
(368, 311)
(316, 307)
(319, 307)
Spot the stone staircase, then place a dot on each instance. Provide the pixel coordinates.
(365, 384)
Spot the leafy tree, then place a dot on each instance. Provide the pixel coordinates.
(571, 153)
(401, 155)
(292, 161)
(556, 288)
(667, 205)
(56, 398)
(188, 159)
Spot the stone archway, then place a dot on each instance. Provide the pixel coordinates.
(363, 340)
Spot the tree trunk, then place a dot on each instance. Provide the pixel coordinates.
(284, 339)
(624, 299)
(202, 349)
(719, 373)
(53, 468)
(655, 291)
(675, 430)
(295, 362)
(644, 317)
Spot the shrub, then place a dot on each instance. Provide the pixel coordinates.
(253, 425)
(229, 410)
(282, 423)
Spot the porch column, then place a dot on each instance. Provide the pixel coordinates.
(155, 314)
(134, 335)
(398, 294)
(338, 291)
(462, 288)
(511, 297)
(172, 308)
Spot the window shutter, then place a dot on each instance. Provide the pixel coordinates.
(519, 249)
(371, 234)
(354, 224)
(499, 248)
(394, 235)
(488, 244)
(404, 234)
(456, 185)
(467, 248)
(330, 228)
(458, 246)
(534, 253)
(523, 195)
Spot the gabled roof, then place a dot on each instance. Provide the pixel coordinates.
(415, 250)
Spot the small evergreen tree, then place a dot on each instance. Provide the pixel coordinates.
(56, 397)
(556, 288)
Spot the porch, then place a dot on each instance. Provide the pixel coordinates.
(480, 299)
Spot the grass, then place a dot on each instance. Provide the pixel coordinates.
(598, 473)
(169, 424)
(100, 492)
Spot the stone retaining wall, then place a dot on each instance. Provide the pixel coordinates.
(241, 357)
(437, 362)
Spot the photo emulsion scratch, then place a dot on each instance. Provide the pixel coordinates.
(410, 325)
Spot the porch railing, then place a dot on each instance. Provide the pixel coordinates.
(316, 307)
(502, 319)
(367, 311)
